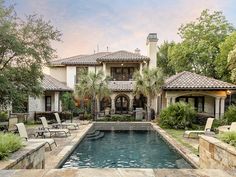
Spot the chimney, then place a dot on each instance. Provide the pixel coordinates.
(137, 51)
(152, 49)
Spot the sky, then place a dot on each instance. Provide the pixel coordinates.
(89, 25)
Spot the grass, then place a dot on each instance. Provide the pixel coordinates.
(9, 143)
(178, 136)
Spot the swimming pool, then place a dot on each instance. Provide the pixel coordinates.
(124, 149)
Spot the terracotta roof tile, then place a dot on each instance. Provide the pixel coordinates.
(188, 80)
(51, 84)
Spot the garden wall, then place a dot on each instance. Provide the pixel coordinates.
(29, 157)
(216, 154)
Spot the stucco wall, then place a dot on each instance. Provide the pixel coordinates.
(70, 76)
(209, 105)
(58, 73)
(36, 104)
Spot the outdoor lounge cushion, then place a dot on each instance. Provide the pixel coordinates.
(50, 130)
(207, 128)
(23, 134)
(66, 124)
(232, 126)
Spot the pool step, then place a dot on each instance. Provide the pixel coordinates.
(95, 135)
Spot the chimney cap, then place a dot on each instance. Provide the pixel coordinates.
(137, 51)
(152, 37)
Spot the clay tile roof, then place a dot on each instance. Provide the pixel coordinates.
(188, 80)
(51, 84)
(121, 85)
(123, 56)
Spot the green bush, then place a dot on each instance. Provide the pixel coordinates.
(177, 116)
(3, 116)
(228, 137)
(121, 118)
(9, 143)
(230, 114)
(51, 117)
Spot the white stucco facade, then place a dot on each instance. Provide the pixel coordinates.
(70, 76)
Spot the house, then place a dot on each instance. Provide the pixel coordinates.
(207, 95)
(119, 65)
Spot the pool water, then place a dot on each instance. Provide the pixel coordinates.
(125, 149)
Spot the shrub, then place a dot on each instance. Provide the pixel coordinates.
(121, 118)
(3, 116)
(230, 114)
(51, 117)
(228, 137)
(178, 116)
(9, 143)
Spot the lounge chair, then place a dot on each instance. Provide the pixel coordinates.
(23, 134)
(52, 131)
(232, 127)
(65, 124)
(206, 129)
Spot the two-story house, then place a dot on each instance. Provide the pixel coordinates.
(119, 65)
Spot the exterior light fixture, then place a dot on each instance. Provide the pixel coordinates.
(121, 64)
(229, 92)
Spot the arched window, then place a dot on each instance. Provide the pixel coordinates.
(122, 104)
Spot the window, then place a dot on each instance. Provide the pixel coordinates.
(48, 103)
(196, 101)
(122, 73)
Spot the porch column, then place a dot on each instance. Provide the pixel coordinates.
(222, 106)
(173, 100)
(140, 68)
(113, 103)
(168, 101)
(56, 101)
(104, 69)
(131, 104)
(217, 107)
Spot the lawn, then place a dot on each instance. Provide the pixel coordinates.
(191, 144)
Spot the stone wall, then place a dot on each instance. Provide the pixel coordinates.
(216, 154)
(32, 156)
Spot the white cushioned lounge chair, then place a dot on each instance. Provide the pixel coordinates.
(207, 128)
(232, 127)
(23, 134)
(53, 131)
(65, 124)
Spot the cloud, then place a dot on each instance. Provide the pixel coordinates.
(120, 24)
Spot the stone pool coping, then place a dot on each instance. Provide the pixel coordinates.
(18, 156)
(117, 172)
(184, 151)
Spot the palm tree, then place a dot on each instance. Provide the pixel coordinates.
(92, 85)
(149, 84)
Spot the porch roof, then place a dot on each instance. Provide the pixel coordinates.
(121, 85)
(51, 84)
(189, 80)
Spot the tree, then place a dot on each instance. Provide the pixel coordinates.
(25, 45)
(221, 61)
(94, 86)
(200, 44)
(149, 84)
(232, 63)
(163, 58)
(68, 103)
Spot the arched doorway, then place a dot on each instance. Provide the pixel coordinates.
(122, 104)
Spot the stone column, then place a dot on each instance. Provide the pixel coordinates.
(56, 101)
(173, 100)
(131, 103)
(98, 105)
(222, 106)
(104, 69)
(168, 101)
(217, 107)
(113, 103)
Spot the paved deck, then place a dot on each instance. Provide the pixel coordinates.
(116, 172)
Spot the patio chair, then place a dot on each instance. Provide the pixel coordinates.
(52, 131)
(23, 134)
(206, 129)
(65, 124)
